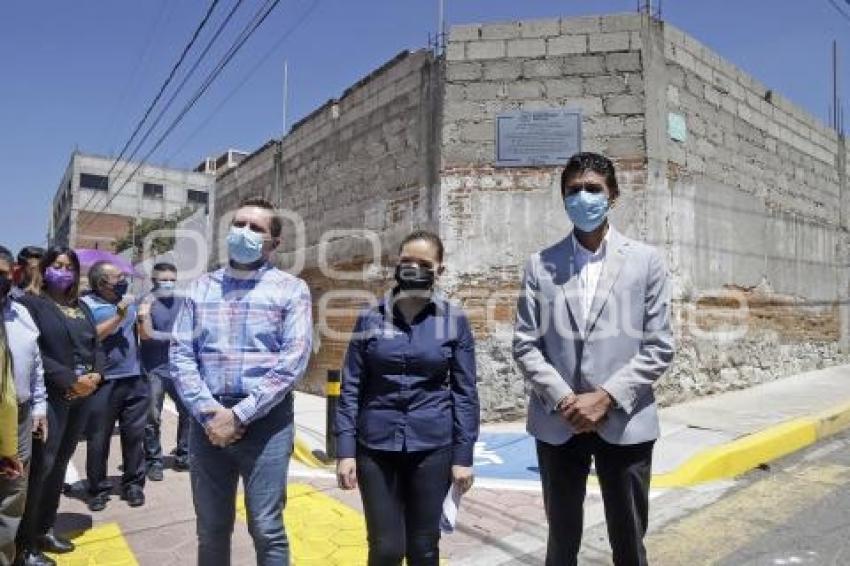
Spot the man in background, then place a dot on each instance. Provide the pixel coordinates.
(124, 395)
(156, 320)
(27, 276)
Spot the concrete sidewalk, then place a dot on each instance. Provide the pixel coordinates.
(501, 520)
(706, 439)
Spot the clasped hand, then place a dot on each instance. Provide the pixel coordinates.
(586, 411)
(83, 387)
(223, 427)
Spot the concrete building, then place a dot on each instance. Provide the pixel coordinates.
(744, 193)
(224, 162)
(94, 205)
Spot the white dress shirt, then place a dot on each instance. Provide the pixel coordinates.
(587, 266)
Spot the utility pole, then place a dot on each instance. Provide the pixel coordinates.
(278, 156)
(285, 95)
(649, 8)
(441, 26)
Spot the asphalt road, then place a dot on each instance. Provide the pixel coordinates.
(796, 511)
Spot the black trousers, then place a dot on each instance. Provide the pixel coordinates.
(159, 387)
(403, 496)
(624, 473)
(126, 400)
(65, 423)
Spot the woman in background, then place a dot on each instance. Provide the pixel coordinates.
(72, 371)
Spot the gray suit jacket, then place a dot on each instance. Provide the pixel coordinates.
(623, 345)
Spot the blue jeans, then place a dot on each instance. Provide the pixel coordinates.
(261, 458)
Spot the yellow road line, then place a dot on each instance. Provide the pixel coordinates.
(321, 530)
(716, 531)
(99, 546)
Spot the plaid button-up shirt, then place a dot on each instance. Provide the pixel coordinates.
(241, 337)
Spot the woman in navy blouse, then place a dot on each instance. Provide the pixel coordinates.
(408, 414)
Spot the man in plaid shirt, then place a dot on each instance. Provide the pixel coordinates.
(241, 342)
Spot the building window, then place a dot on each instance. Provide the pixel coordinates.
(94, 182)
(197, 197)
(153, 190)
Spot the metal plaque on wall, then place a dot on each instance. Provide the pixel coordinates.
(537, 137)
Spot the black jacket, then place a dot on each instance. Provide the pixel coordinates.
(57, 349)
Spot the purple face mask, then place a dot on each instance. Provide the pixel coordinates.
(59, 279)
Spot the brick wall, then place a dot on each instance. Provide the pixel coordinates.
(99, 230)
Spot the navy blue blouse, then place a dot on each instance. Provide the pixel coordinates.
(410, 387)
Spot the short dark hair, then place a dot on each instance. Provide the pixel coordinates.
(97, 274)
(50, 256)
(429, 237)
(581, 163)
(165, 266)
(6, 255)
(30, 252)
(276, 225)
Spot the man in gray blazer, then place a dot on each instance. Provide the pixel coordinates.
(592, 335)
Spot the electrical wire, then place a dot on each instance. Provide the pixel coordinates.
(179, 88)
(244, 80)
(162, 88)
(247, 32)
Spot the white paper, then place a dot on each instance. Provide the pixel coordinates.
(450, 506)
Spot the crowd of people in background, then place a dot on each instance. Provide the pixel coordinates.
(230, 348)
(77, 362)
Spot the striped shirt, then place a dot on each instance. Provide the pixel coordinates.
(22, 334)
(247, 337)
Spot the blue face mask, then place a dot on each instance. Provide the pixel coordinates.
(587, 210)
(244, 246)
(166, 286)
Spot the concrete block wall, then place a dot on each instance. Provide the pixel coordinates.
(751, 209)
(755, 222)
(492, 218)
(366, 161)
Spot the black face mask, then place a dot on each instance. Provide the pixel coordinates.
(414, 277)
(118, 289)
(5, 287)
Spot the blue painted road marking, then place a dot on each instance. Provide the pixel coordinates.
(506, 455)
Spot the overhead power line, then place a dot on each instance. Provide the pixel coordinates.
(165, 84)
(840, 10)
(244, 79)
(179, 88)
(252, 26)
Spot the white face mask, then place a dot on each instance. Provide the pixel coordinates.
(244, 245)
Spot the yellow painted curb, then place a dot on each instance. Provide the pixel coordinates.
(833, 421)
(747, 453)
(103, 544)
(304, 454)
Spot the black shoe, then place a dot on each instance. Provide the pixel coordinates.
(180, 465)
(98, 502)
(34, 558)
(155, 473)
(134, 496)
(54, 544)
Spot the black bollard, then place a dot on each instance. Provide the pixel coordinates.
(332, 394)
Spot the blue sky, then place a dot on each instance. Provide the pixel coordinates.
(80, 74)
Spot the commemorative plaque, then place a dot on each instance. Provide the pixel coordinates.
(537, 137)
